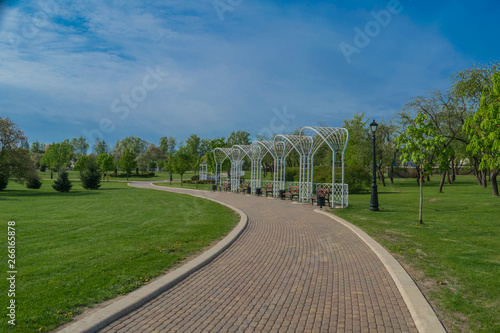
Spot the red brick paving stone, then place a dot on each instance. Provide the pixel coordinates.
(292, 270)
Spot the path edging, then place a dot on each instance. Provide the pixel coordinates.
(107, 315)
(422, 313)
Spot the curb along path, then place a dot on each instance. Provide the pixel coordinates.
(291, 270)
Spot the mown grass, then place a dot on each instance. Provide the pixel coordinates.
(457, 247)
(77, 249)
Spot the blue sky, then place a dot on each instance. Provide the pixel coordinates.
(210, 67)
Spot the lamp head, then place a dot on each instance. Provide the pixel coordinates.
(373, 126)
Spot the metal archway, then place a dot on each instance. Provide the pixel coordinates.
(336, 139)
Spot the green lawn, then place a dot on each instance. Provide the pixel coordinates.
(457, 247)
(80, 248)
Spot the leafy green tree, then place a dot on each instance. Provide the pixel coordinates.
(34, 182)
(90, 172)
(423, 146)
(14, 155)
(37, 147)
(193, 145)
(182, 161)
(62, 184)
(138, 145)
(167, 146)
(100, 147)
(238, 138)
(127, 161)
(150, 157)
(80, 146)
(105, 162)
(58, 156)
(483, 129)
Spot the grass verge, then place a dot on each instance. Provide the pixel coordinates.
(77, 249)
(454, 256)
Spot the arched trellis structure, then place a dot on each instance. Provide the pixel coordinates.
(306, 143)
(283, 146)
(255, 153)
(220, 155)
(336, 139)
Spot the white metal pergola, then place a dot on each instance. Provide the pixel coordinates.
(306, 144)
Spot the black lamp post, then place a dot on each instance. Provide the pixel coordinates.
(374, 198)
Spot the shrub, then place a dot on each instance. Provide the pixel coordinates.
(4, 180)
(322, 174)
(34, 183)
(195, 177)
(43, 168)
(90, 177)
(357, 177)
(62, 184)
(292, 174)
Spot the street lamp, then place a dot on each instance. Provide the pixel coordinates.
(374, 198)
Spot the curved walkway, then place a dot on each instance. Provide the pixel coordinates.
(291, 270)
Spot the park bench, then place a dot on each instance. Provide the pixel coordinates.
(243, 188)
(269, 189)
(293, 191)
(322, 192)
(226, 186)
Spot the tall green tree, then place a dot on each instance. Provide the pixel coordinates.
(58, 156)
(167, 146)
(37, 147)
(80, 146)
(182, 161)
(150, 157)
(105, 162)
(100, 147)
(483, 129)
(238, 138)
(14, 155)
(90, 172)
(127, 161)
(423, 146)
(138, 145)
(193, 145)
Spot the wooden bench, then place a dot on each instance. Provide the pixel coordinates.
(293, 191)
(243, 188)
(269, 189)
(225, 186)
(322, 192)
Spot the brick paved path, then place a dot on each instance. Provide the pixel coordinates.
(292, 270)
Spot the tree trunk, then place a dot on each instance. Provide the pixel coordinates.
(381, 177)
(421, 199)
(181, 180)
(448, 174)
(484, 182)
(493, 180)
(441, 183)
(453, 174)
(391, 174)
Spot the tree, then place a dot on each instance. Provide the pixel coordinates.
(467, 89)
(483, 129)
(193, 145)
(127, 161)
(58, 156)
(14, 155)
(90, 173)
(150, 157)
(238, 138)
(167, 146)
(138, 145)
(105, 162)
(423, 146)
(182, 161)
(37, 147)
(62, 184)
(100, 147)
(80, 146)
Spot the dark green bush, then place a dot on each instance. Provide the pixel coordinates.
(4, 180)
(292, 174)
(195, 177)
(34, 183)
(90, 177)
(62, 184)
(357, 177)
